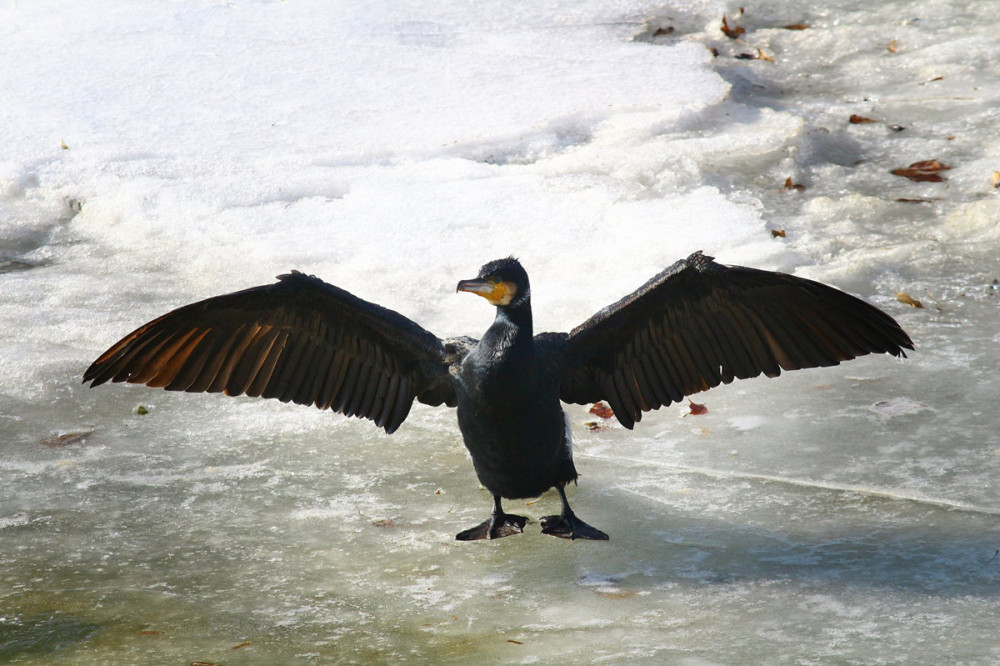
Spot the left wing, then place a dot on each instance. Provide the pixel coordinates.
(698, 324)
(300, 340)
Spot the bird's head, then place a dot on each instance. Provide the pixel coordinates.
(502, 282)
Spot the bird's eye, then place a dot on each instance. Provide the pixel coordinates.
(495, 280)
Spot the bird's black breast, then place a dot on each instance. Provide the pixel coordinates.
(512, 420)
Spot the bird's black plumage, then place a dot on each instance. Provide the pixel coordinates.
(695, 325)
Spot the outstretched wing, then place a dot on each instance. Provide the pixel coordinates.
(300, 340)
(698, 324)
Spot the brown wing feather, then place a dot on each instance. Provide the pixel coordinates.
(298, 340)
(699, 323)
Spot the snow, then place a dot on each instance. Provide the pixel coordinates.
(158, 153)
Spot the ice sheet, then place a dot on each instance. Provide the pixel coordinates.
(159, 153)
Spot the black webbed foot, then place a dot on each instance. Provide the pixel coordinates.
(500, 524)
(496, 527)
(568, 526)
(571, 527)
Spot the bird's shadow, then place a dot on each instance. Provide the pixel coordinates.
(844, 538)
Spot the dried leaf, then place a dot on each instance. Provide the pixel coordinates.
(241, 645)
(150, 632)
(695, 409)
(615, 593)
(924, 171)
(731, 33)
(511, 640)
(62, 144)
(592, 425)
(384, 522)
(660, 32)
(893, 45)
(904, 297)
(904, 200)
(930, 165)
(777, 233)
(602, 410)
(996, 179)
(142, 410)
(792, 185)
(796, 26)
(60, 438)
(859, 120)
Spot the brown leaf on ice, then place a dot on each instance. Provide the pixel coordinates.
(695, 409)
(917, 201)
(511, 640)
(996, 178)
(760, 55)
(602, 410)
(241, 645)
(593, 425)
(904, 297)
(660, 32)
(731, 33)
(860, 120)
(384, 522)
(777, 233)
(796, 26)
(924, 171)
(792, 185)
(893, 46)
(61, 438)
(615, 593)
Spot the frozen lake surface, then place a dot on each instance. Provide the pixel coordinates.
(159, 153)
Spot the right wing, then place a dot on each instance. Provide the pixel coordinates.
(699, 324)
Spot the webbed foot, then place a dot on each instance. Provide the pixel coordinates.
(502, 525)
(568, 526)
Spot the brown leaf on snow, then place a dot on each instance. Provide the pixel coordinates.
(602, 410)
(696, 409)
(904, 297)
(893, 46)
(777, 233)
(796, 26)
(731, 33)
(792, 185)
(924, 171)
(859, 120)
(760, 55)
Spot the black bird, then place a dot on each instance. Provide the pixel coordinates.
(695, 325)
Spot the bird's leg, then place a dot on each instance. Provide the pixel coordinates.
(568, 526)
(499, 525)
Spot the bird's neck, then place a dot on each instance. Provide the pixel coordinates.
(512, 327)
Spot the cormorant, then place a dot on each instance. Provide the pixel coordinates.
(695, 325)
